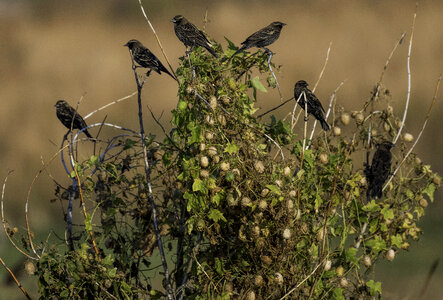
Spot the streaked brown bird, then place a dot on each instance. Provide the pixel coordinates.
(190, 35)
(379, 170)
(314, 105)
(145, 58)
(262, 38)
(69, 117)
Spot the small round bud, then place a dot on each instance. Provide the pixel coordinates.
(204, 173)
(245, 201)
(225, 99)
(336, 130)
(266, 260)
(340, 271)
(389, 110)
(343, 282)
(236, 172)
(359, 118)
(212, 151)
(345, 118)
(262, 204)
(320, 234)
(213, 102)
(386, 127)
(229, 287)
(278, 182)
(204, 161)
(398, 123)
(225, 166)
(258, 280)
(417, 160)
(189, 90)
(423, 202)
(374, 132)
(259, 167)
(264, 192)
(250, 295)
(209, 120)
(209, 135)
(287, 234)
(405, 246)
(278, 278)
(328, 265)
(323, 157)
(292, 193)
(290, 205)
(29, 268)
(256, 230)
(390, 255)
(407, 137)
(222, 120)
(367, 262)
(287, 171)
(202, 147)
(436, 180)
(363, 181)
(216, 159)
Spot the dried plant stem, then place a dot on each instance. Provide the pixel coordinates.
(15, 280)
(409, 78)
(303, 94)
(294, 120)
(272, 72)
(150, 197)
(324, 67)
(420, 133)
(156, 36)
(111, 103)
(272, 109)
(304, 280)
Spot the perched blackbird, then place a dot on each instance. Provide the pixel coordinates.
(314, 105)
(190, 35)
(262, 38)
(146, 58)
(69, 117)
(380, 169)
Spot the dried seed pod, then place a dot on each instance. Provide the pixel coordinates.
(209, 120)
(262, 205)
(336, 130)
(423, 202)
(390, 255)
(190, 90)
(225, 99)
(204, 161)
(287, 233)
(386, 127)
(344, 282)
(359, 118)
(216, 159)
(245, 201)
(323, 157)
(204, 173)
(222, 120)
(256, 231)
(213, 102)
(290, 205)
(264, 192)
(389, 110)
(209, 135)
(202, 147)
(225, 166)
(287, 171)
(436, 180)
(266, 260)
(278, 278)
(259, 167)
(321, 234)
(292, 193)
(258, 280)
(367, 262)
(250, 295)
(407, 137)
(345, 118)
(278, 182)
(29, 268)
(328, 265)
(212, 151)
(340, 271)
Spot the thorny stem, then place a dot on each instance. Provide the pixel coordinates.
(147, 167)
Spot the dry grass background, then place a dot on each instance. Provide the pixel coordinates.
(63, 49)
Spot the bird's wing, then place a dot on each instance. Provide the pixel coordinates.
(192, 32)
(260, 35)
(314, 102)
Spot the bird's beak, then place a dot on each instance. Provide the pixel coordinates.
(125, 45)
(172, 20)
(283, 24)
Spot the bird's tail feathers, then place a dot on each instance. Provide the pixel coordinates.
(324, 125)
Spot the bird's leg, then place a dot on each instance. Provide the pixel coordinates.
(148, 73)
(189, 60)
(269, 52)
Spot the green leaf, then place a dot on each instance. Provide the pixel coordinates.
(371, 207)
(231, 148)
(429, 190)
(198, 185)
(351, 256)
(182, 105)
(256, 84)
(377, 244)
(274, 189)
(88, 222)
(216, 215)
(337, 294)
(387, 213)
(128, 144)
(396, 240)
(374, 287)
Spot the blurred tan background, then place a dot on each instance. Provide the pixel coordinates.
(52, 50)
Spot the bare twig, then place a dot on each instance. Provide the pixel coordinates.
(272, 109)
(111, 103)
(15, 280)
(324, 67)
(409, 77)
(156, 36)
(272, 72)
(419, 135)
